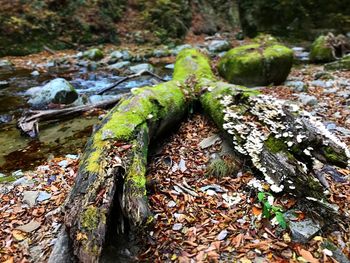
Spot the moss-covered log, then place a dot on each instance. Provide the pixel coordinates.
(117, 154)
(285, 144)
(280, 140)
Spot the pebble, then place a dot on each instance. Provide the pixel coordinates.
(307, 99)
(43, 196)
(177, 226)
(29, 197)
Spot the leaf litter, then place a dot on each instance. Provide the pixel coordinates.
(225, 225)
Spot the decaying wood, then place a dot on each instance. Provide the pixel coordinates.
(112, 169)
(29, 122)
(273, 135)
(139, 74)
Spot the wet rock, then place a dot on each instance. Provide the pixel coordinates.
(342, 64)
(98, 98)
(297, 85)
(177, 49)
(141, 67)
(119, 65)
(116, 55)
(321, 51)
(29, 197)
(160, 53)
(307, 99)
(219, 46)
(5, 118)
(23, 181)
(330, 91)
(58, 91)
(322, 84)
(300, 54)
(256, 65)
(93, 54)
(72, 156)
(4, 84)
(324, 75)
(35, 73)
(170, 66)
(5, 65)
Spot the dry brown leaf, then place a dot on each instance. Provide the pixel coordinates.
(308, 256)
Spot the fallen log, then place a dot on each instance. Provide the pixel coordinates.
(273, 135)
(113, 167)
(29, 122)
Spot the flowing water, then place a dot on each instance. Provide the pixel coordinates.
(56, 138)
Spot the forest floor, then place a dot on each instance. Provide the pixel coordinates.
(198, 217)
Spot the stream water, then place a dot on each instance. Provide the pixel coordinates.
(56, 138)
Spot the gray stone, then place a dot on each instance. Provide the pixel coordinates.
(5, 65)
(297, 85)
(330, 91)
(177, 49)
(119, 65)
(35, 73)
(4, 84)
(170, 66)
(140, 67)
(93, 54)
(303, 231)
(30, 227)
(57, 91)
(219, 46)
(63, 163)
(117, 54)
(322, 84)
(29, 197)
(207, 142)
(159, 53)
(43, 196)
(18, 173)
(61, 251)
(72, 156)
(23, 181)
(345, 94)
(308, 99)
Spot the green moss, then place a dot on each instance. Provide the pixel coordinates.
(221, 168)
(342, 64)
(93, 54)
(333, 157)
(90, 218)
(7, 179)
(275, 145)
(256, 65)
(320, 51)
(265, 39)
(191, 61)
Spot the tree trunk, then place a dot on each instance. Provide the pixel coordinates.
(273, 135)
(117, 154)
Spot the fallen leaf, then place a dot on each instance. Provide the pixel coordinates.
(256, 211)
(18, 235)
(308, 256)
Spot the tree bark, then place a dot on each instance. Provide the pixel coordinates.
(117, 154)
(273, 135)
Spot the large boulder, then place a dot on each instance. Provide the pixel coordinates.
(256, 65)
(321, 51)
(58, 91)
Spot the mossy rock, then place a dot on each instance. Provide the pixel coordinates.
(265, 39)
(256, 65)
(342, 64)
(93, 54)
(320, 51)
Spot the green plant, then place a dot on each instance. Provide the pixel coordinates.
(269, 210)
(221, 168)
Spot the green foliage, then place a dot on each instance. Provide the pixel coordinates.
(221, 168)
(168, 19)
(270, 210)
(293, 17)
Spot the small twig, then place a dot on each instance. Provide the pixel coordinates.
(49, 50)
(190, 192)
(138, 74)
